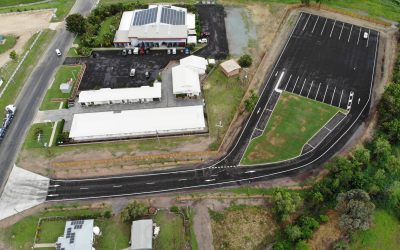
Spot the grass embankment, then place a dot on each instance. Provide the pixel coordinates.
(62, 7)
(172, 231)
(63, 75)
(8, 44)
(384, 234)
(242, 227)
(293, 122)
(222, 96)
(26, 68)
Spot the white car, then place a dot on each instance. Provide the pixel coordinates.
(58, 52)
(132, 72)
(365, 35)
(203, 40)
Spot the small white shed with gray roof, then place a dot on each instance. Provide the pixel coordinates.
(142, 235)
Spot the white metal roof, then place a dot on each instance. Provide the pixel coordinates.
(193, 61)
(185, 80)
(191, 21)
(128, 123)
(230, 65)
(192, 39)
(158, 30)
(108, 94)
(126, 20)
(142, 234)
(78, 234)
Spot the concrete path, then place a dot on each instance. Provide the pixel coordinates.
(44, 245)
(23, 190)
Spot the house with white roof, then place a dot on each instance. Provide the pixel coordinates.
(185, 81)
(158, 26)
(78, 234)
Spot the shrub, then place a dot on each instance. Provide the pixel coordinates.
(174, 209)
(107, 214)
(245, 61)
(216, 216)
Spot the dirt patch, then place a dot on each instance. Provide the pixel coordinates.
(327, 234)
(23, 26)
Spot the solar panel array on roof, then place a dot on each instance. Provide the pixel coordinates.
(145, 17)
(77, 226)
(171, 16)
(72, 239)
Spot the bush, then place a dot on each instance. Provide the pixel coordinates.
(13, 55)
(323, 218)
(251, 102)
(245, 61)
(174, 209)
(216, 216)
(84, 51)
(133, 211)
(107, 214)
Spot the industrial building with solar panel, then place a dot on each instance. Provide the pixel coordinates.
(157, 26)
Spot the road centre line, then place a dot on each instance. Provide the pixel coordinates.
(340, 101)
(324, 26)
(326, 90)
(317, 91)
(315, 25)
(312, 82)
(341, 30)
(334, 90)
(298, 77)
(302, 86)
(287, 83)
(359, 33)
(332, 28)
(306, 22)
(351, 29)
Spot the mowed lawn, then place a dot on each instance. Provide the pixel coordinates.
(172, 231)
(63, 75)
(8, 43)
(293, 122)
(50, 231)
(384, 234)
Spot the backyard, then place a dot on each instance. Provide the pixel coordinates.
(172, 231)
(293, 122)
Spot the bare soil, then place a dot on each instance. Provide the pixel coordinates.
(23, 26)
(327, 234)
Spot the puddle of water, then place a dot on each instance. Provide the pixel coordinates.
(240, 30)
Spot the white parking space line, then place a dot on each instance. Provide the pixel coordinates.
(359, 34)
(312, 82)
(322, 31)
(369, 31)
(287, 83)
(341, 30)
(334, 90)
(332, 28)
(351, 29)
(295, 83)
(319, 86)
(326, 90)
(341, 95)
(306, 22)
(315, 25)
(302, 86)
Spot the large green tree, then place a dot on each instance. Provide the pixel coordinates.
(285, 203)
(133, 211)
(76, 23)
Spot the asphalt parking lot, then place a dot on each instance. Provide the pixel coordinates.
(212, 19)
(327, 60)
(110, 69)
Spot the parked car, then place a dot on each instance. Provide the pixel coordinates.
(205, 34)
(132, 72)
(203, 40)
(168, 51)
(124, 52)
(129, 52)
(147, 75)
(58, 52)
(141, 51)
(174, 51)
(365, 35)
(136, 51)
(186, 51)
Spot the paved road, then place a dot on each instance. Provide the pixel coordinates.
(330, 58)
(30, 98)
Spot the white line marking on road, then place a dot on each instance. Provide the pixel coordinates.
(317, 91)
(302, 86)
(182, 179)
(340, 101)
(369, 31)
(341, 30)
(209, 180)
(351, 29)
(278, 83)
(276, 73)
(359, 99)
(268, 110)
(326, 90)
(315, 25)
(117, 186)
(50, 195)
(287, 83)
(324, 26)
(312, 82)
(259, 129)
(306, 22)
(334, 90)
(359, 33)
(214, 175)
(310, 145)
(298, 77)
(84, 188)
(332, 28)
(250, 171)
(150, 183)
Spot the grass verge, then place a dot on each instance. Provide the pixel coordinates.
(39, 135)
(63, 75)
(172, 231)
(293, 122)
(384, 234)
(8, 44)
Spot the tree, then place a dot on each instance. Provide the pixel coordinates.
(13, 55)
(392, 129)
(382, 149)
(394, 196)
(307, 225)
(356, 210)
(245, 61)
(133, 211)
(251, 102)
(361, 156)
(285, 203)
(389, 106)
(302, 245)
(293, 232)
(76, 23)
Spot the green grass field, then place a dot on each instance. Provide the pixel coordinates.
(64, 74)
(8, 44)
(33, 140)
(172, 231)
(50, 231)
(222, 96)
(384, 234)
(7, 3)
(294, 121)
(115, 234)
